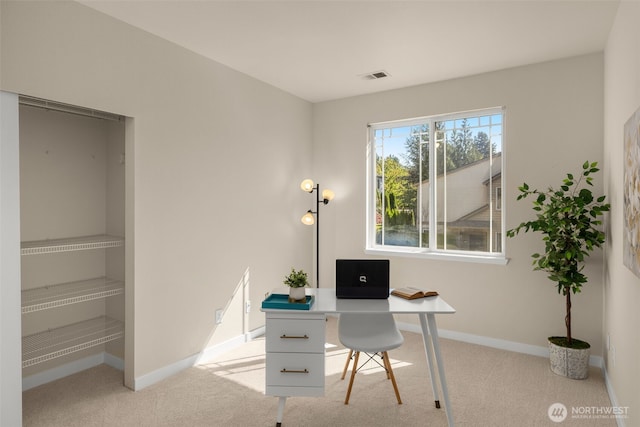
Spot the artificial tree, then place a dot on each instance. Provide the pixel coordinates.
(568, 218)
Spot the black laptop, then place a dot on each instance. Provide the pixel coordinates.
(362, 278)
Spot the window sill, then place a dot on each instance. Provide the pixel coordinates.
(420, 253)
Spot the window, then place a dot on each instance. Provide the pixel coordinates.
(434, 185)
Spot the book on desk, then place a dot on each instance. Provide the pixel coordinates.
(409, 292)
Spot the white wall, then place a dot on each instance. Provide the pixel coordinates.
(554, 118)
(10, 364)
(217, 157)
(622, 287)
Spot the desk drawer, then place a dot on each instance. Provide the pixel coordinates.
(295, 370)
(297, 336)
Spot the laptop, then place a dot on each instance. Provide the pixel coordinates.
(362, 278)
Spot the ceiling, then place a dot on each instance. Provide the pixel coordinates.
(320, 50)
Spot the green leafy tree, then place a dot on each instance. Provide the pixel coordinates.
(398, 191)
(567, 217)
(464, 148)
(483, 145)
(417, 158)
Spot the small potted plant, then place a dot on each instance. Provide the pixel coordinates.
(568, 219)
(297, 281)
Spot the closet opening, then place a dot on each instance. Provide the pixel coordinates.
(75, 257)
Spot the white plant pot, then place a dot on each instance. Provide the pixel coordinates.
(569, 362)
(297, 295)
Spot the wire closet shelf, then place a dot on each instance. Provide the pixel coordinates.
(58, 342)
(83, 243)
(62, 294)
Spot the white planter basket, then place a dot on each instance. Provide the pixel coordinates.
(569, 362)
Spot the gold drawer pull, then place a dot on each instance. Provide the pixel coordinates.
(294, 337)
(287, 371)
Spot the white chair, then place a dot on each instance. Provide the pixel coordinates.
(371, 333)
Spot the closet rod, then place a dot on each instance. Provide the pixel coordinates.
(67, 108)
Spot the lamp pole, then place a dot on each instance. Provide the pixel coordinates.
(318, 235)
(308, 219)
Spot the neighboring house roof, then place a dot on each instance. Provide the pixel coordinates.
(474, 164)
(470, 215)
(495, 177)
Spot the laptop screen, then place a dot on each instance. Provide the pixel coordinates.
(362, 278)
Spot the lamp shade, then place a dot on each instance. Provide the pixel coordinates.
(308, 219)
(307, 185)
(327, 195)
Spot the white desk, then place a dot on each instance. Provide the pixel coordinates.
(326, 303)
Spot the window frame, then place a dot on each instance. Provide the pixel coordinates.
(431, 252)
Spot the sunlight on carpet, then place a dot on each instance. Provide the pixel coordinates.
(245, 365)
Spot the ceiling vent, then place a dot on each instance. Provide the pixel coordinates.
(375, 76)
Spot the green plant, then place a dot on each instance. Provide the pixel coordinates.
(568, 219)
(296, 279)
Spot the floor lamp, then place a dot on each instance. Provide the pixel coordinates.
(309, 219)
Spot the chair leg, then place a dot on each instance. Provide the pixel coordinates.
(353, 375)
(346, 365)
(390, 374)
(383, 356)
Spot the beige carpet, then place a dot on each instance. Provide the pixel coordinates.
(487, 387)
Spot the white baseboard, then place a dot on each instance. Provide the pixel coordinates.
(216, 350)
(158, 375)
(114, 362)
(612, 396)
(70, 369)
(501, 344)
(145, 380)
(202, 357)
